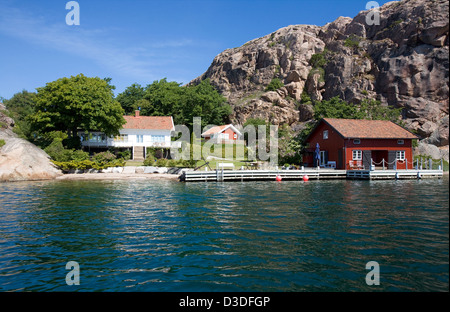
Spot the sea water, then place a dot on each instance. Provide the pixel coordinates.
(273, 236)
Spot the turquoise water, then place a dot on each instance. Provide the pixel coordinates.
(250, 236)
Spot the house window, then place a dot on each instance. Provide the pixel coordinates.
(356, 141)
(121, 138)
(400, 155)
(357, 155)
(140, 138)
(400, 142)
(325, 134)
(158, 138)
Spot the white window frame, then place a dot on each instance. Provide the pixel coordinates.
(139, 138)
(357, 154)
(121, 138)
(400, 155)
(158, 138)
(325, 134)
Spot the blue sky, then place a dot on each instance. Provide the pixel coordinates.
(137, 40)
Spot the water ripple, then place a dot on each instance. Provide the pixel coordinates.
(253, 236)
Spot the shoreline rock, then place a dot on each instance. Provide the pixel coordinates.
(21, 160)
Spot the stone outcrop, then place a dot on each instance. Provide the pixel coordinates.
(21, 160)
(402, 62)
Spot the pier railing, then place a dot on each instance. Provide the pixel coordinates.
(404, 164)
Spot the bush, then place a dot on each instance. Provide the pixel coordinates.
(172, 163)
(87, 164)
(317, 60)
(161, 162)
(104, 157)
(150, 160)
(2, 142)
(125, 155)
(57, 151)
(274, 85)
(80, 155)
(352, 41)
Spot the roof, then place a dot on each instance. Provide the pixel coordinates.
(149, 122)
(219, 129)
(368, 129)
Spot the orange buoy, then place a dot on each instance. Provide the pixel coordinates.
(278, 178)
(305, 178)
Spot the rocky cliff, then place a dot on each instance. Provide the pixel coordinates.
(402, 62)
(19, 159)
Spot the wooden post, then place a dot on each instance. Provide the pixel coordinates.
(442, 164)
(383, 164)
(431, 164)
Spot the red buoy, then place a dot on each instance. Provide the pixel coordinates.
(278, 178)
(305, 178)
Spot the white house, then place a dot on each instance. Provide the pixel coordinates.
(137, 134)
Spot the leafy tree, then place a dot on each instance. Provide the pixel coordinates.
(164, 98)
(129, 98)
(183, 103)
(335, 108)
(204, 101)
(372, 109)
(78, 102)
(368, 109)
(20, 107)
(274, 85)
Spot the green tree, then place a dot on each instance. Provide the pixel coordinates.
(164, 98)
(367, 109)
(336, 108)
(204, 101)
(128, 99)
(77, 103)
(183, 103)
(20, 107)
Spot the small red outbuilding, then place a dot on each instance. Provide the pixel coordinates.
(358, 144)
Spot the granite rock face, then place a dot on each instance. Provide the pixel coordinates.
(21, 160)
(402, 62)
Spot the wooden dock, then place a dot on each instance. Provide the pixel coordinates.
(270, 175)
(393, 174)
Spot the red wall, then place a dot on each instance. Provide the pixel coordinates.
(335, 142)
(332, 144)
(230, 134)
(382, 145)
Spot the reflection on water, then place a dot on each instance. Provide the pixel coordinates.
(251, 236)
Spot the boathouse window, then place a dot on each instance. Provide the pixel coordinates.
(356, 141)
(400, 155)
(140, 138)
(357, 155)
(400, 142)
(325, 134)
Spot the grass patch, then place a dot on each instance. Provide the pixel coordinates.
(134, 163)
(2, 142)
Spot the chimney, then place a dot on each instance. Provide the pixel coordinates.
(136, 113)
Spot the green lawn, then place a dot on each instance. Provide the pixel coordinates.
(134, 163)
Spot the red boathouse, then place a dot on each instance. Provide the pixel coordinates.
(359, 144)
